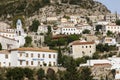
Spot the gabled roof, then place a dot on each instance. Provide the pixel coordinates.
(32, 49)
(78, 42)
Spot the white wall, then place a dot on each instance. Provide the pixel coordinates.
(35, 59)
(4, 62)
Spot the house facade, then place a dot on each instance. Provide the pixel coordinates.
(28, 57)
(17, 35)
(112, 27)
(82, 48)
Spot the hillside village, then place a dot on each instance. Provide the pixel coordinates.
(62, 42)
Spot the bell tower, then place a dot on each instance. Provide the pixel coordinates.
(19, 29)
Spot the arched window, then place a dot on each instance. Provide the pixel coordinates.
(19, 33)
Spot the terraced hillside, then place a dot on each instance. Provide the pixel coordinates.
(29, 7)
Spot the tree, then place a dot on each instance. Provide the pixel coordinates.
(82, 60)
(117, 22)
(71, 70)
(109, 33)
(15, 74)
(98, 28)
(97, 33)
(96, 55)
(51, 74)
(49, 30)
(106, 47)
(86, 31)
(61, 41)
(113, 71)
(1, 77)
(67, 17)
(0, 46)
(34, 26)
(28, 73)
(59, 56)
(28, 41)
(72, 38)
(85, 74)
(100, 48)
(40, 74)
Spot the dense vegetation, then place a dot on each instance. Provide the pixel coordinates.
(117, 22)
(29, 7)
(83, 3)
(71, 73)
(25, 7)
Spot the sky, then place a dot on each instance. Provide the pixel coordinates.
(112, 5)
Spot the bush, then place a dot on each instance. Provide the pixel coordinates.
(40, 74)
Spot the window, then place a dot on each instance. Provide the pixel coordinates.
(49, 55)
(38, 62)
(26, 62)
(90, 46)
(82, 46)
(6, 56)
(54, 56)
(9, 64)
(54, 63)
(49, 63)
(43, 55)
(20, 62)
(26, 54)
(31, 55)
(31, 62)
(90, 51)
(20, 54)
(38, 55)
(83, 53)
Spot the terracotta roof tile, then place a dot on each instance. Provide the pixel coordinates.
(81, 43)
(4, 52)
(33, 49)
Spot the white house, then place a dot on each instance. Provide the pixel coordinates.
(28, 57)
(37, 39)
(70, 30)
(84, 26)
(111, 27)
(109, 41)
(49, 19)
(114, 62)
(8, 43)
(13, 34)
(56, 30)
(82, 48)
(102, 23)
(4, 26)
(42, 29)
(112, 17)
(5, 58)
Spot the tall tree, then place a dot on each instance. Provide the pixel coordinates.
(51, 74)
(0, 46)
(34, 26)
(28, 73)
(85, 74)
(40, 74)
(71, 70)
(15, 74)
(59, 56)
(72, 38)
(117, 22)
(28, 41)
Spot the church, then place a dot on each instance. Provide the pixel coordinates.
(12, 38)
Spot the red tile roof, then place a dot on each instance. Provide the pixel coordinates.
(81, 43)
(33, 49)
